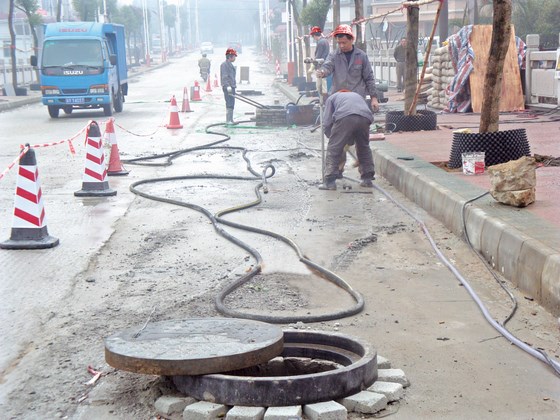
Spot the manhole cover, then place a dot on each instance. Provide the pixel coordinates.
(194, 346)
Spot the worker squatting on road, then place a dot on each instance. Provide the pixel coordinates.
(346, 121)
(227, 77)
(350, 67)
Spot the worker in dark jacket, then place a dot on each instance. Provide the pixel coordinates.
(321, 51)
(400, 58)
(350, 67)
(227, 77)
(346, 121)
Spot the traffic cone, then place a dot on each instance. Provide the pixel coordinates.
(208, 84)
(115, 166)
(29, 228)
(216, 84)
(195, 92)
(94, 181)
(186, 106)
(174, 115)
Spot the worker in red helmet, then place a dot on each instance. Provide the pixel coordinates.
(227, 76)
(350, 67)
(322, 49)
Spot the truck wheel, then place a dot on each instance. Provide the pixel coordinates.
(67, 110)
(53, 111)
(108, 109)
(118, 101)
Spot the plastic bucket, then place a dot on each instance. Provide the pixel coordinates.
(473, 163)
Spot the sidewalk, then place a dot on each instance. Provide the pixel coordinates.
(521, 243)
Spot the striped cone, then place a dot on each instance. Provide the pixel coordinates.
(278, 68)
(29, 229)
(216, 84)
(115, 166)
(208, 84)
(174, 115)
(94, 181)
(186, 106)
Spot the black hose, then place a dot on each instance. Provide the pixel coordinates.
(217, 220)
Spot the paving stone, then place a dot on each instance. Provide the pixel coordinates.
(240, 412)
(383, 363)
(172, 404)
(203, 410)
(392, 375)
(292, 412)
(392, 390)
(365, 402)
(329, 410)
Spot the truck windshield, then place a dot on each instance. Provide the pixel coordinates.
(75, 52)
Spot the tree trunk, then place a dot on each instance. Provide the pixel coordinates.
(12, 43)
(501, 33)
(359, 11)
(336, 19)
(59, 11)
(411, 69)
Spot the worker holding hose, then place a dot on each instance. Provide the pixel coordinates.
(346, 121)
(227, 77)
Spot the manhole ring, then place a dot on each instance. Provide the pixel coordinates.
(357, 371)
(193, 346)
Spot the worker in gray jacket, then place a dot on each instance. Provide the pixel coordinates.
(227, 77)
(346, 121)
(350, 67)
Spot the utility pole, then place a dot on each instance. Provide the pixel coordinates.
(197, 33)
(146, 32)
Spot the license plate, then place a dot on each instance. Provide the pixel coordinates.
(75, 100)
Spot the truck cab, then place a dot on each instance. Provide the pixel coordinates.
(83, 66)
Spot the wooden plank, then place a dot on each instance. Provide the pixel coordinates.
(512, 93)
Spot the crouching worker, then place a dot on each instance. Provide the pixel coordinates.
(346, 121)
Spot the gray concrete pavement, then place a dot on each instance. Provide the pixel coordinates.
(522, 244)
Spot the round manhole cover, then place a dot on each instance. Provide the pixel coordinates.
(194, 346)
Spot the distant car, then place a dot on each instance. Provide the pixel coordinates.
(236, 45)
(206, 48)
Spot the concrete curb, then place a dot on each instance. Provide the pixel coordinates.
(522, 247)
(6, 105)
(529, 257)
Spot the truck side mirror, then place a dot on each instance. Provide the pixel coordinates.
(33, 60)
(113, 59)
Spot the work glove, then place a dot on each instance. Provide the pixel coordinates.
(229, 90)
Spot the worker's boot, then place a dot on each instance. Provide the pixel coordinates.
(329, 184)
(367, 180)
(229, 116)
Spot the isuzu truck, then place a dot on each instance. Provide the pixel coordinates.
(83, 66)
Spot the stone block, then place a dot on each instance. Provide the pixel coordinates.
(292, 412)
(240, 412)
(392, 375)
(329, 410)
(392, 390)
(203, 410)
(172, 404)
(383, 363)
(365, 402)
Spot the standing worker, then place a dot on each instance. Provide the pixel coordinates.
(227, 76)
(322, 49)
(350, 67)
(400, 57)
(346, 121)
(204, 66)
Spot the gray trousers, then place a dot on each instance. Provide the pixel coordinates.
(353, 129)
(401, 66)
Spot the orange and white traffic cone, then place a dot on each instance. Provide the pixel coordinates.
(174, 115)
(195, 92)
(29, 228)
(216, 84)
(186, 106)
(208, 84)
(94, 181)
(115, 166)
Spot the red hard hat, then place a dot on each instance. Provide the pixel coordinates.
(315, 30)
(343, 30)
(231, 51)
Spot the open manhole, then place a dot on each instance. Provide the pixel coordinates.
(193, 346)
(313, 367)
